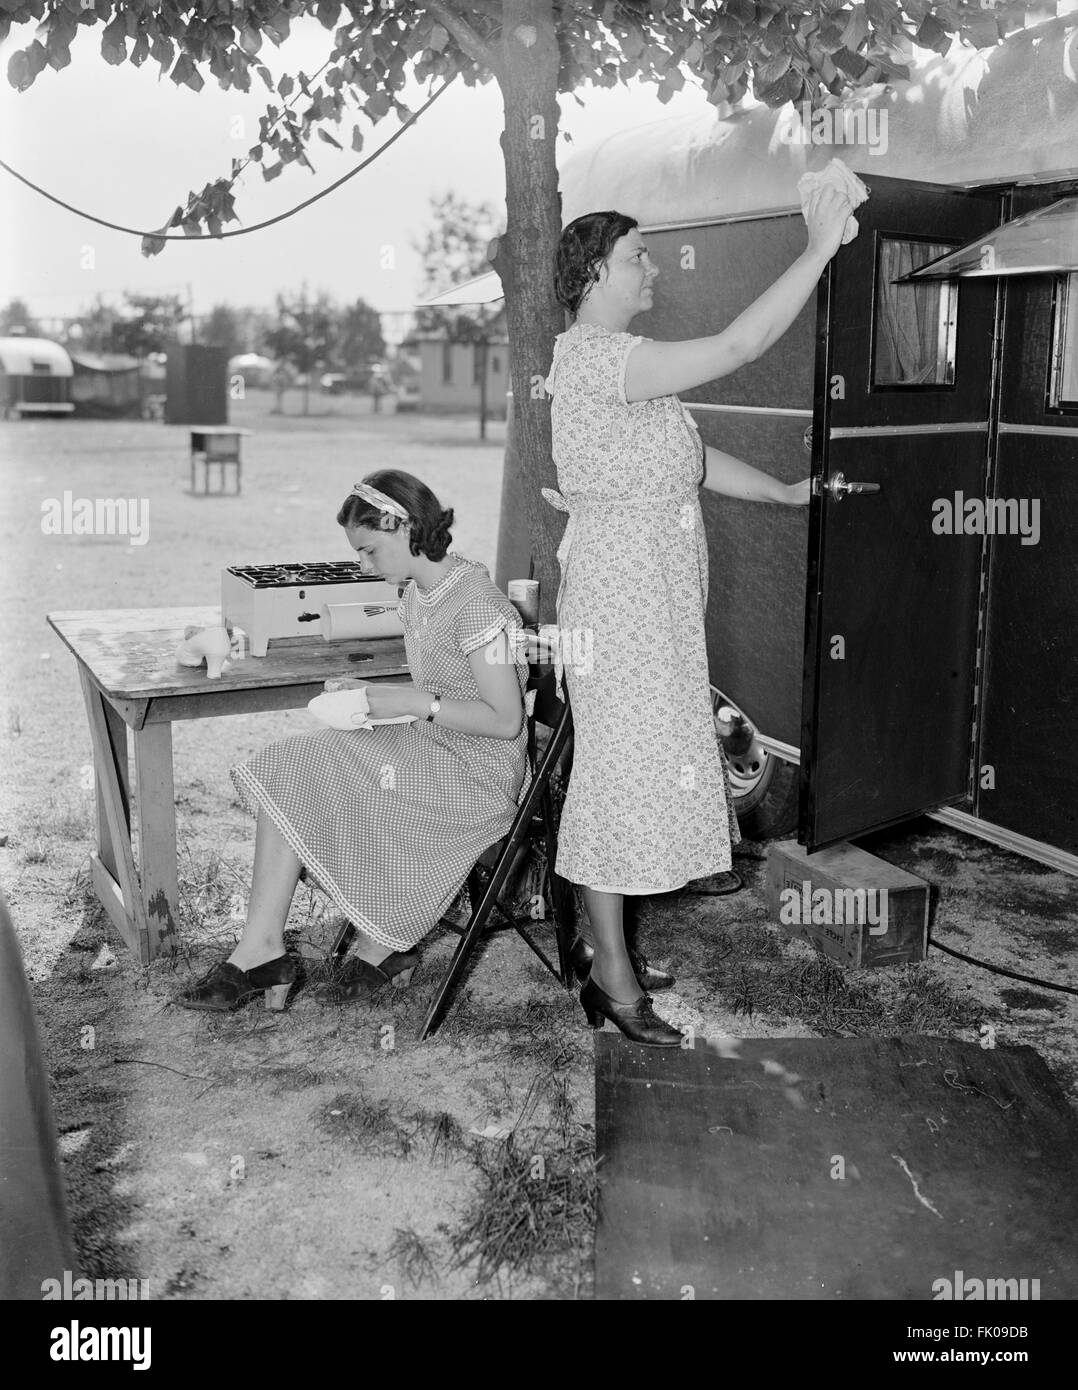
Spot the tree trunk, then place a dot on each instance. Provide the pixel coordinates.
(529, 84)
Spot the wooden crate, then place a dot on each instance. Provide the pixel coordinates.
(855, 908)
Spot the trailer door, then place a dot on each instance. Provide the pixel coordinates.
(900, 442)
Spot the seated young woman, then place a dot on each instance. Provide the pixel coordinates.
(389, 820)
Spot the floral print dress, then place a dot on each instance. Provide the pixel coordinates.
(648, 806)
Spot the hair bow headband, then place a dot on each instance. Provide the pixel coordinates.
(379, 500)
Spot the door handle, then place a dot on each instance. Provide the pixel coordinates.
(839, 488)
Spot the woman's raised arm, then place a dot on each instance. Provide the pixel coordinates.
(664, 369)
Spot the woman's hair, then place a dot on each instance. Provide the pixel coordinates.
(430, 524)
(584, 246)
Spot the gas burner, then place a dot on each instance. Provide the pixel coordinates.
(271, 602)
(283, 576)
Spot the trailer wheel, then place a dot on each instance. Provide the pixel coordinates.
(764, 786)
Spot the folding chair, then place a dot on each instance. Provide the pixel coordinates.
(533, 824)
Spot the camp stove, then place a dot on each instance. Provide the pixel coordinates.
(277, 601)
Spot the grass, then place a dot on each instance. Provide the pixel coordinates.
(413, 1255)
(535, 1210)
(821, 994)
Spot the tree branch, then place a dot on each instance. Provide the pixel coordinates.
(465, 35)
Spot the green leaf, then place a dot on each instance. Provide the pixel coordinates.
(114, 42)
(286, 86)
(767, 74)
(850, 63)
(377, 106)
(59, 52)
(152, 245)
(140, 51)
(931, 34)
(186, 74)
(271, 171)
(982, 32)
(325, 135)
(439, 37)
(882, 13)
(18, 71)
(277, 27)
(162, 51)
(856, 31)
(250, 39)
(255, 153)
(357, 138)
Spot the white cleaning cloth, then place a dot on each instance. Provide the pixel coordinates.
(349, 710)
(834, 175)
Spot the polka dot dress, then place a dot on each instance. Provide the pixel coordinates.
(390, 820)
(648, 806)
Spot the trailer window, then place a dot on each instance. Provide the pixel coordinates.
(1065, 375)
(914, 327)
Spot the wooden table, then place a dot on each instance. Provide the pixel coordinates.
(218, 444)
(130, 680)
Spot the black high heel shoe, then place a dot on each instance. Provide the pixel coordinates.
(227, 987)
(638, 1021)
(648, 978)
(358, 979)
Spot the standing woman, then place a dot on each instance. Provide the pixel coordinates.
(648, 807)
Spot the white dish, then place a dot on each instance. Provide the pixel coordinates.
(348, 710)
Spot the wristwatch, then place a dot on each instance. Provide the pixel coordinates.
(435, 706)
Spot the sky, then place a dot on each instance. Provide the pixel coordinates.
(126, 145)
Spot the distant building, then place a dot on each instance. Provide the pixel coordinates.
(450, 372)
(106, 385)
(35, 377)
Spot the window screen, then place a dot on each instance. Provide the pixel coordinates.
(914, 325)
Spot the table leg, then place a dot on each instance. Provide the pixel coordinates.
(117, 747)
(119, 889)
(156, 810)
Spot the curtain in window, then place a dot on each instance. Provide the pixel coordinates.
(908, 317)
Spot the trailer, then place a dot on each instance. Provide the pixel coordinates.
(906, 644)
(35, 377)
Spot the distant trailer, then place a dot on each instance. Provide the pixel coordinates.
(35, 378)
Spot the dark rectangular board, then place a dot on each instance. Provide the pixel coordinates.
(719, 1169)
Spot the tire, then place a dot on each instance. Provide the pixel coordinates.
(769, 812)
(763, 785)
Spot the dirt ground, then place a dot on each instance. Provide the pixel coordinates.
(325, 1153)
